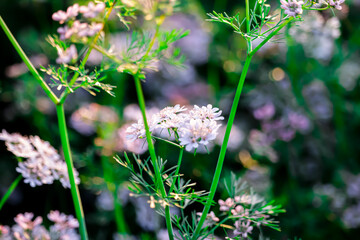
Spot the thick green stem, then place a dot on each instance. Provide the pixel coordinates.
(158, 177)
(221, 158)
(176, 176)
(26, 60)
(70, 166)
(9, 191)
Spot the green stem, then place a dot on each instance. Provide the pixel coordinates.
(249, 47)
(70, 166)
(26, 60)
(176, 176)
(9, 191)
(158, 178)
(221, 158)
(86, 57)
(288, 20)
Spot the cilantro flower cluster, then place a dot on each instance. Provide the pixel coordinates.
(77, 28)
(192, 129)
(28, 228)
(43, 164)
(336, 3)
(292, 7)
(245, 218)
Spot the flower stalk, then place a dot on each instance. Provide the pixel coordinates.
(221, 158)
(26, 60)
(9, 191)
(154, 160)
(70, 166)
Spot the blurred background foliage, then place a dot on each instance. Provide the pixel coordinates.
(296, 138)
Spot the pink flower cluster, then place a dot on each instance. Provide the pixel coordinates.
(26, 228)
(89, 11)
(75, 27)
(292, 7)
(336, 3)
(237, 208)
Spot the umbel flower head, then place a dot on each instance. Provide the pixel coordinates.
(292, 7)
(43, 164)
(192, 129)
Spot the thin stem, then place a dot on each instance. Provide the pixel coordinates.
(221, 158)
(26, 60)
(151, 147)
(249, 47)
(9, 191)
(177, 170)
(167, 141)
(70, 166)
(86, 57)
(152, 41)
(271, 35)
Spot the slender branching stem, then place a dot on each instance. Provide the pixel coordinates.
(86, 57)
(158, 178)
(248, 24)
(70, 166)
(221, 158)
(9, 191)
(176, 176)
(288, 20)
(26, 60)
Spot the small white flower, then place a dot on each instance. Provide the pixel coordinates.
(197, 132)
(292, 7)
(207, 112)
(136, 130)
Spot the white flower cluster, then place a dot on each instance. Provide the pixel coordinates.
(26, 228)
(192, 129)
(43, 164)
(292, 7)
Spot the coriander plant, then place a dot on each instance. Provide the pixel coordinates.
(84, 29)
